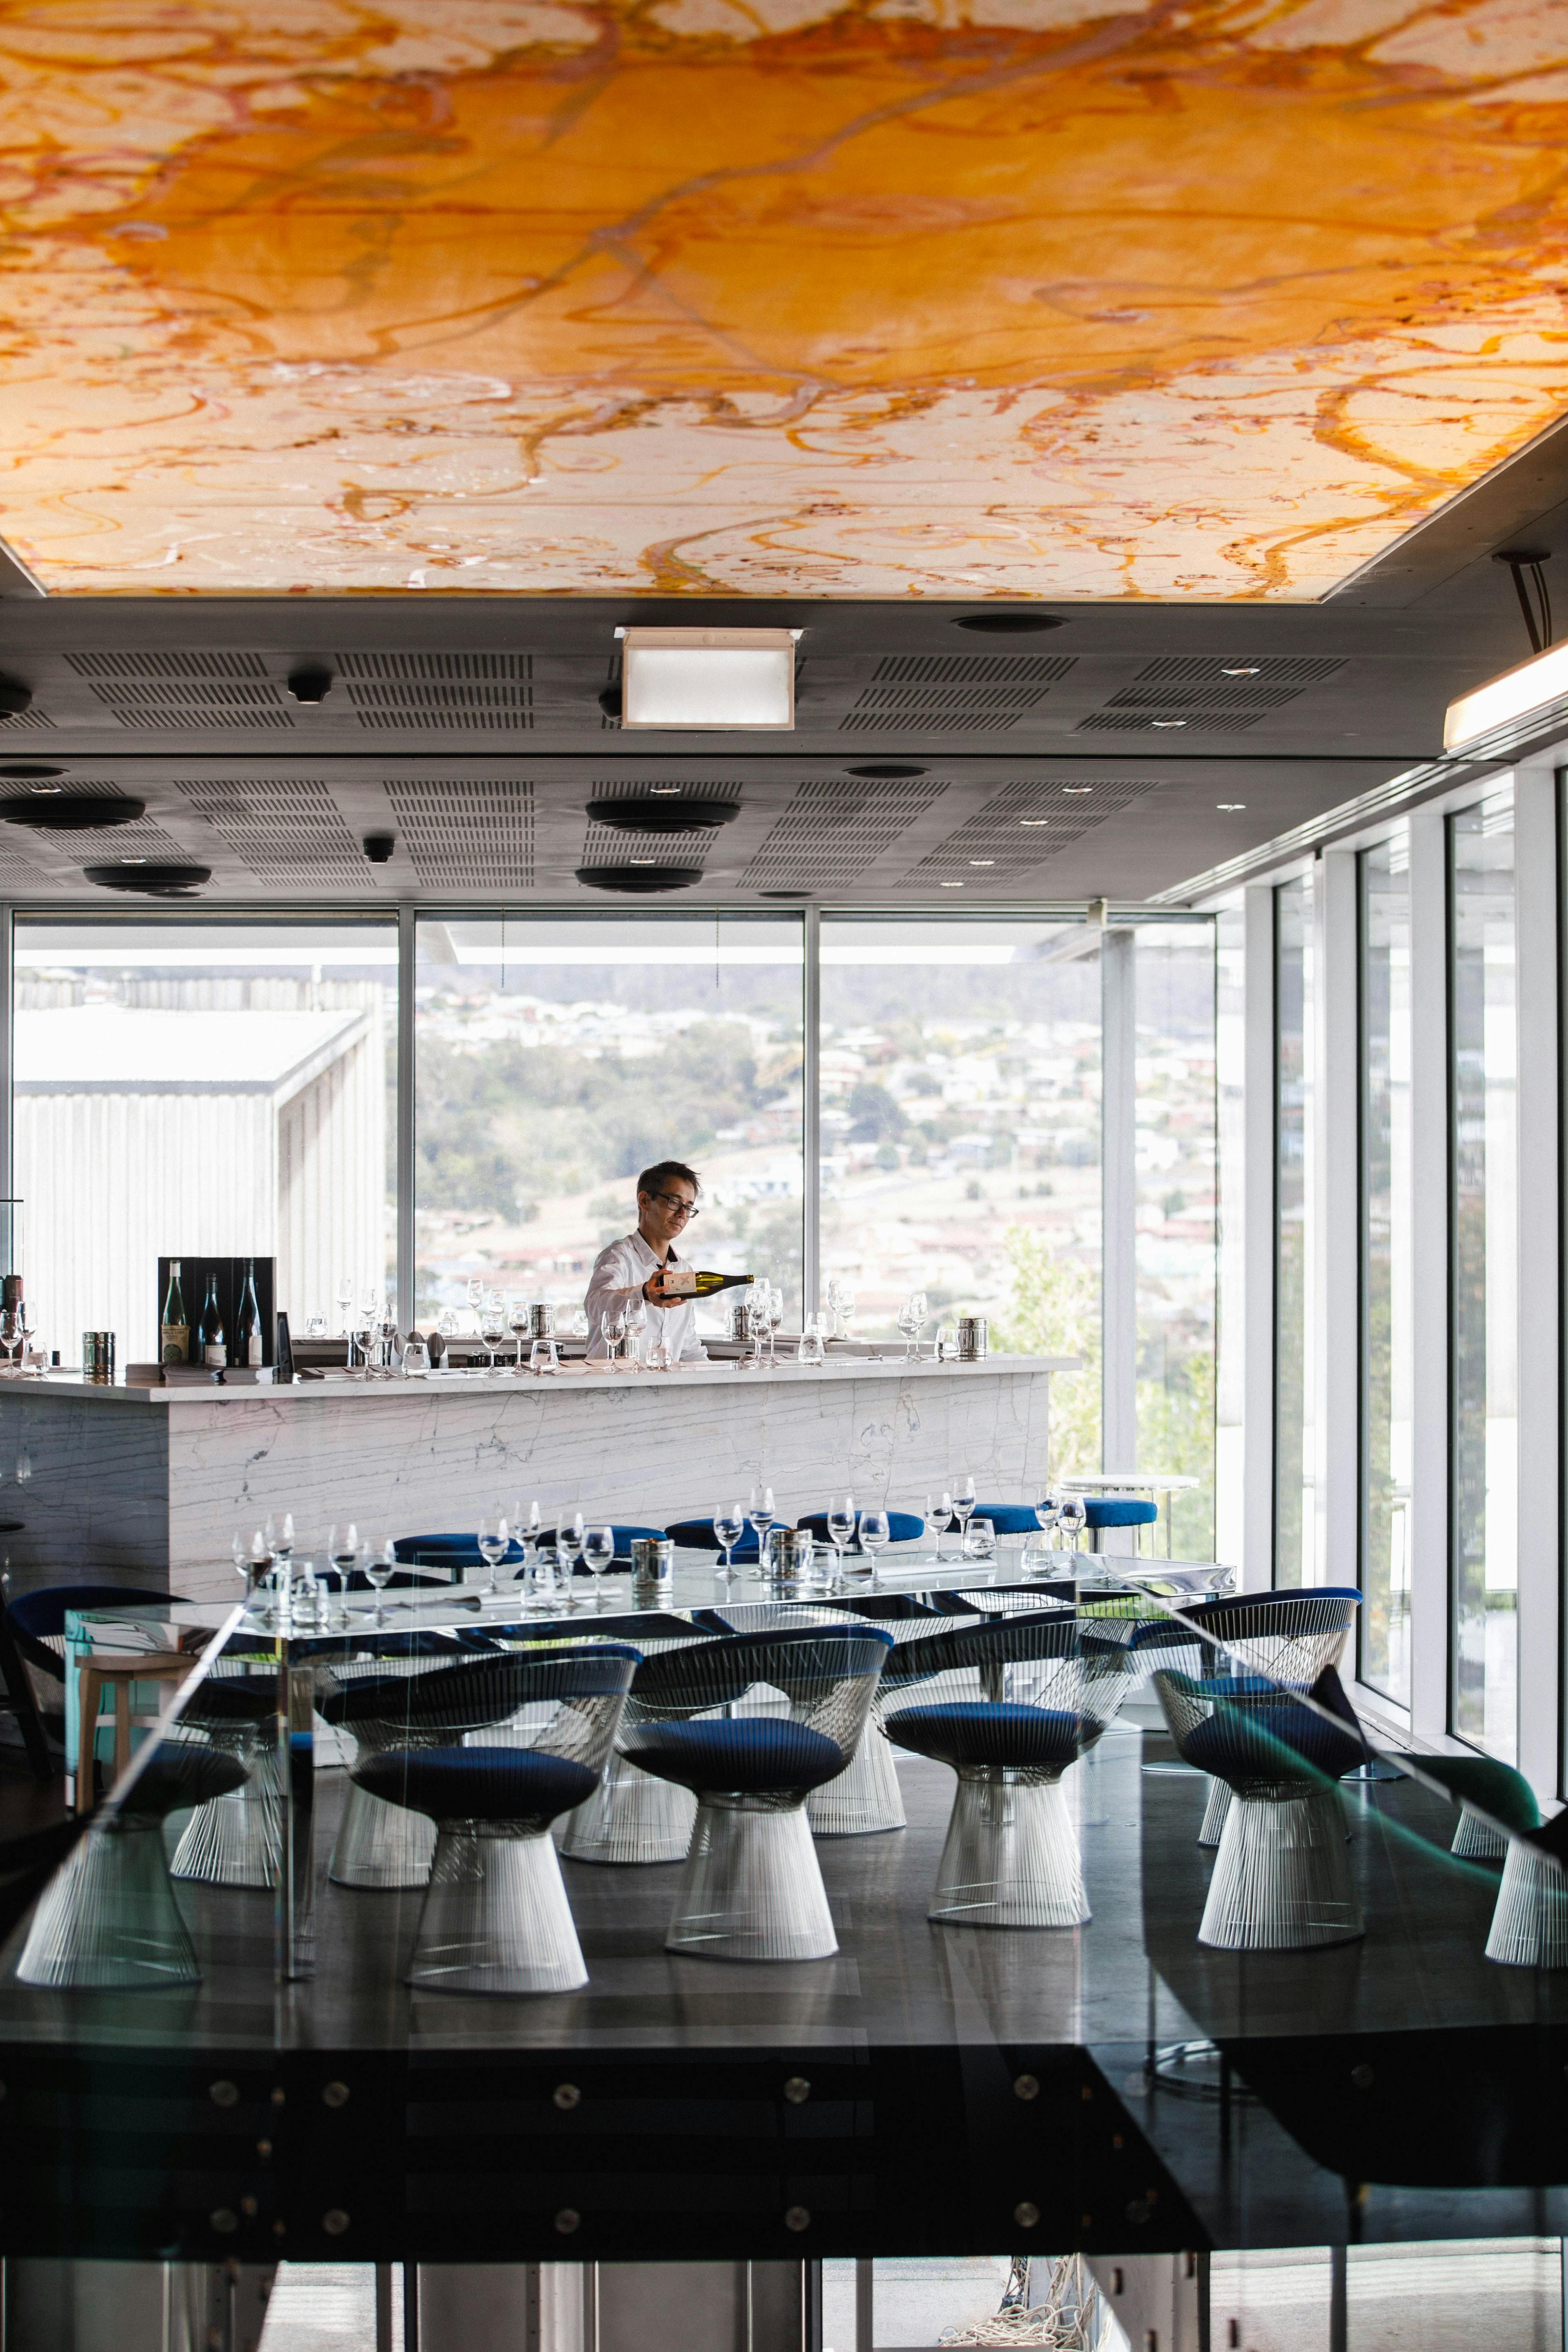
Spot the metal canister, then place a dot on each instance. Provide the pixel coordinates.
(792, 1559)
(653, 1570)
(973, 1338)
(541, 1322)
(735, 1320)
(98, 1359)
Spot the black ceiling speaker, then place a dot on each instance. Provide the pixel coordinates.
(638, 881)
(25, 768)
(56, 811)
(310, 682)
(378, 846)
(149, 880)
(610, 700)
(14, 697)
(662, 812)
(886, 768)
(1008, 624)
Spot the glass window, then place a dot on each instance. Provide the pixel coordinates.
(1484, 1363)
(557, 1057)
(1230, 1350)
(960, 1073)
(1387, 1333)
(1295, 1533)
(201, 1089)
(1175, 1211)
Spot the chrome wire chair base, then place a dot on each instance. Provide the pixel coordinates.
(109, 1921)
(1476, 1839)
(237, 1839)
(495, 1918)
(1011, 1857)
(1215, 1813)
(630, 1817)
(1282, 1879)
(381, 1845)
(1530, 1923)
(753, 1888)
(866, 1797)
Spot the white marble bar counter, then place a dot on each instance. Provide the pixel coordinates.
(152, 1483)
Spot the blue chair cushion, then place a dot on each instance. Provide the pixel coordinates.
(982, 1731)
(180, 1773)
(744, 1754)
(1118, 1511)
(1009, 1519)
(231, 1700)
(37, 1617)
(1238, 1744)
(623, 1536)
(1496, 1788)
(903, 1527)
(479, 1784)
(439, 1551)
(697, 1534)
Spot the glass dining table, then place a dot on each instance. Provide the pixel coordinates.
(260, 1675)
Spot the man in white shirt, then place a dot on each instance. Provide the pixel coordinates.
(633, 1269)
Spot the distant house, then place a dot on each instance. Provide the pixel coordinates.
(243, 1131)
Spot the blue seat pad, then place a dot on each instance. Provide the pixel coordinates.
(980, 1731)
(746, 1753)
(1118, 1511)
(1496, 1788)
(225, 1699)
(34, 1617)
(697, 1534)
(479, 1784)
(439, 1548)
(179, 1773)
(1233, 1745)
(1009, 1519)
(903, 1527)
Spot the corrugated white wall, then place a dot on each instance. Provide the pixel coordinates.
(332, 1183)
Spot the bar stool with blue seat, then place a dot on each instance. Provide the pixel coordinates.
(866, 1799)
(237, 1839)
(1282, 1879)
(1530, 1919)
(109, 1921)
(632, 1817)
(753, 1888)
(495, 1917)
(369, 1695)
(1008, 1704)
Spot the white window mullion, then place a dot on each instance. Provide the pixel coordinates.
(1540, 1427)
(1429, 1185)
(1336, 1254)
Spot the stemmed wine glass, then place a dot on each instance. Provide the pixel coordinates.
(874, 1533)
(389, 1337)
(776, 1317)
(920, 1308)
(378, 1568)
(570, 1537)
(634, 1316)
(495, 1542)
(909, 1328)
(342, 1551)
(840, 1535)
(492, 1326)
(1072, 1518)
(345, 1301)
(476, 1297)
(1048, 1511)
(761, 1517)
(730, 1526)
(613, 1331)
(599, 1552)
(962, 1503)
(939, 1516)
(517, 1323)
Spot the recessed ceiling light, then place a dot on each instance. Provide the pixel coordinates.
(1034, 820)
(983, 861)
(1008, 624)
(707, 678)
(1077, 788)
(1239, 669)
(47, 809)
(1170, 722)
(664, 788)
(1230, 804)
(951, 885)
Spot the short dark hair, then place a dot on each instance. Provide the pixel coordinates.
(655, 1179)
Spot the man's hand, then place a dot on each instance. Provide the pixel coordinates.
(653, 1290)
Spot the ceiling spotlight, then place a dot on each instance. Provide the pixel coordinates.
(310, 682)
(1230, 806)
(378, 847)
(1239, 669)
(886, 768)
(1008, 624)
(48, 810)
(1077, 788)
(983, 861)
(951, 885)
(149, 880)
(707, 678)
(1542, 680)
(664, 809)
(1169, 722)
(14, 697)
(639, 877)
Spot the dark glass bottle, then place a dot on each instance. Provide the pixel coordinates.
(247, 1322)
(210, 1332)
(174, 1342)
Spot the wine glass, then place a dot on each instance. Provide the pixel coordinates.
(874, 1533)
(495, 1542)
(939, 1516)
(1072, 1517)
(570, 1537)
(492, 1326)
(391, 1337)
(476, 1297)
(1048, 1511)
(343, 1551)
(241, 1553)
(776, 1317)
(840, 1535)
(761, 1517)
(613, 1331)
(517, 1323)
(962, 1501)
(730, 1526)
(345, 1300)
(599, 1552)
(909, 1327)
(848, 1306)
(634, 1316)
(378, 1568)
(920, 1308)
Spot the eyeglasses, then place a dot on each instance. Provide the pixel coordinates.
(675, 1206)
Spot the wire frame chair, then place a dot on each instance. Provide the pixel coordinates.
(752, 1889)
(238, 1839)
(632, 1817)
(109, 1921)
(1009, 1705)
(495, 1917)
(866, 1799)
(361, 1688)
(1282, 1880)
(1497, 1814)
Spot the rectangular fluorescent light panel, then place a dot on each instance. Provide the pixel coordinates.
(708, 678)
(1534, 684)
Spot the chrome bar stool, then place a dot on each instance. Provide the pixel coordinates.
(238, 1839)
(753, 1888)
(495, 1917)
(1009, 1705)
(1499, 1813)
(380, 1845)
(632, 1817)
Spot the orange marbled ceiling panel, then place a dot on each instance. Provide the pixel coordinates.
(939, 298)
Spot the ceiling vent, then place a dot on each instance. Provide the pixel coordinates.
(284, 830)
(833, 829)
(470, 666)
(1279, 668)
(466, 834)
(425, 704)
(1145, 723)
(215, 664)
(972, 670)
(603, 846)
(1027, 823)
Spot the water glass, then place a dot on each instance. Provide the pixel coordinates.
(517, 1324)
(544, 1358)
(874, 1533)
(730, 1526)
(962, 1500)
(570, 1535)
(980, 1542)
(599, 1552)
(415, 1359)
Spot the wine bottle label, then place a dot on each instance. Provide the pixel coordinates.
(176, 1343)
(680, 1282)
(253, 1349)
(214, 1356)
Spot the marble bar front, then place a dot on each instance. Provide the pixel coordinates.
(151, 1483)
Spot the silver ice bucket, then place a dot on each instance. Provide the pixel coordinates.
(653, 1570)
(973, 1338)
(541, 1322)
